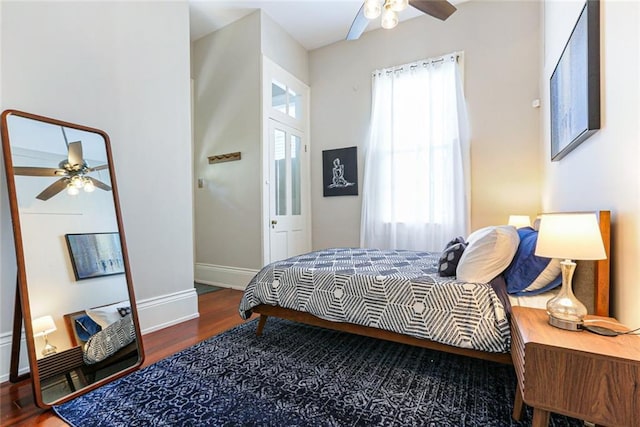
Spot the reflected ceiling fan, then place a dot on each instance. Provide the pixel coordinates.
(73, 172)
(371, 9)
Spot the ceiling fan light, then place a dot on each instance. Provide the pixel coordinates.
(398, 5)
(77, 182)
(389, 19)
(372, 9)
(88, 186)
(72, 190)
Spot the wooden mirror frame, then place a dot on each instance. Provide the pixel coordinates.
(23, 311)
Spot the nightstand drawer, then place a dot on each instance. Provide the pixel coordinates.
(60, 363)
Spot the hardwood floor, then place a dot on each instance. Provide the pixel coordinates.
(218, 312)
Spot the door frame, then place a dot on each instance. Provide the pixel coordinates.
(288, 222)
(270, 71)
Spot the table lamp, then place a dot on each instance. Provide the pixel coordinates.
(519, 221)
(569, 236)
(42, 326)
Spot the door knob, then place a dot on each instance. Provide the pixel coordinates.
(274, 222)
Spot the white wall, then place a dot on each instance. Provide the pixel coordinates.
(601, 173)
(283, 49)
(500, 41)
(122, 67)
(227, 70)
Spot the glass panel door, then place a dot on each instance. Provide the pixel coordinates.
(280, 169)
(296, 201)
(289, 219)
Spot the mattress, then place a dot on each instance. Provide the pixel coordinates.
(394, 290)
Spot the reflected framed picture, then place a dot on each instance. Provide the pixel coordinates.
(340, 172)
(95, 254)
(575, 85)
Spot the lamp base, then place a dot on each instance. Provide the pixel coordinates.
(48, 349)
(567, 324)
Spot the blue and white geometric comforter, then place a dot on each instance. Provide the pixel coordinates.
(396, 290)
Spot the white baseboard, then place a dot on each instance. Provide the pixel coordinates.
(166, 310)
(5, 356)
(224, 276)
(155, 313)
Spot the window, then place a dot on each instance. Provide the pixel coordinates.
(285, 99)
(415, 191)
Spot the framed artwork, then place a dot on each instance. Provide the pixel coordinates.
(575, 85)
(340, 172)
(95, 254)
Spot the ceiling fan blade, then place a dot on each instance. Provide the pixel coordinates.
(358, 26)
(53, 189)
(440, 9)
(75, 153)
(99, 168)
(32, 171)
(101, 185)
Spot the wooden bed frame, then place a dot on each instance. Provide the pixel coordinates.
(126, 352)
(590, 283)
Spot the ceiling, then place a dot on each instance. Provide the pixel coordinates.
(313, 23)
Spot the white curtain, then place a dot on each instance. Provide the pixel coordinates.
(416, 172)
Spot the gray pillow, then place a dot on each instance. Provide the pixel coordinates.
(450, 257)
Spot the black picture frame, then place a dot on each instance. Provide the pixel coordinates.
(340, 172)
(95, 254)
(575, 85)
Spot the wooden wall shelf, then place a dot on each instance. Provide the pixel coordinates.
(224, 158)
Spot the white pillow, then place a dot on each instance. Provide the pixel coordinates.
(108, 314)
(489, 252)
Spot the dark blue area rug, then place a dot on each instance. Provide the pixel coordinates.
(297, 375)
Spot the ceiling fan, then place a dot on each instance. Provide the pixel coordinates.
(73, 172)
(371, 9)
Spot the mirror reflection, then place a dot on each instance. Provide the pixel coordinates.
(79, 303)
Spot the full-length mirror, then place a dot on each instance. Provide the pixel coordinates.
(74, 279)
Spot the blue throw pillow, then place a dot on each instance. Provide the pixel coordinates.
(86, 327)
(529, 274)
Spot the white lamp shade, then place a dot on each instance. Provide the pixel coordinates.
(519, 221)
(43, 325)
(574, 236)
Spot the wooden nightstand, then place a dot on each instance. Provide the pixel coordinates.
(579, 374)
(62, 363)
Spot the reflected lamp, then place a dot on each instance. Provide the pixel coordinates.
(569, 236)
(43, 326)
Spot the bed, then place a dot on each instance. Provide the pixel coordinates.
(399, 296)
(105, 343)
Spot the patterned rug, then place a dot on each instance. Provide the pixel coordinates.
(297, 375)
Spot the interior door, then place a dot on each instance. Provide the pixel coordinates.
(289, 192)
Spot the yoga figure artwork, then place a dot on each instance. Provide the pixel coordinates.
(340, 172)
(338, 175)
